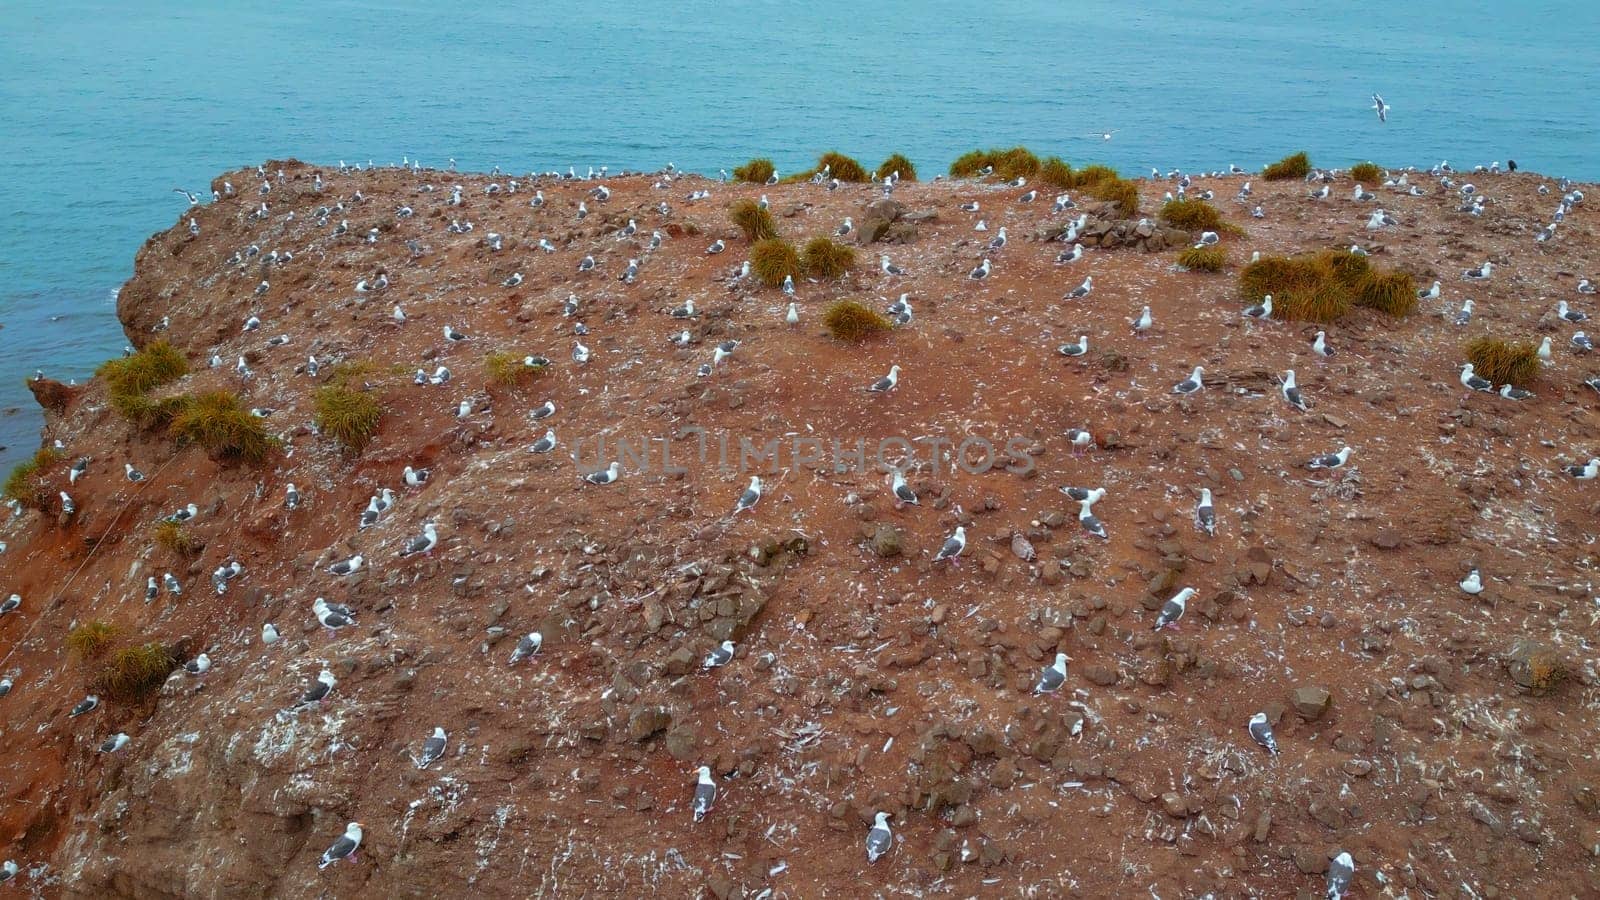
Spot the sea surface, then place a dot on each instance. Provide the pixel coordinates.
(106, 107)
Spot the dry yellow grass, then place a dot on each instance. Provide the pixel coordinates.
(1502, 361)
(849, 320)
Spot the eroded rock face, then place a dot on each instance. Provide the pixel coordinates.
(866, 678)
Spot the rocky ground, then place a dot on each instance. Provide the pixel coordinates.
(866, 677)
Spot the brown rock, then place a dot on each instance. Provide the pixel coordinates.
(885, 540)
(884, 208)
(646, 722)
(1311, 701)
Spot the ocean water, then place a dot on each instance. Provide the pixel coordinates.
(106, 106)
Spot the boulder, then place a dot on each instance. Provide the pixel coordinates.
(1311, 701)
(885, 209)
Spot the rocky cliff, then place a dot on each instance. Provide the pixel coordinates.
(1443, 739)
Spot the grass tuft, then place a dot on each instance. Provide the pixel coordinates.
(773, 259)
(897, 163)
(755, 222)
(506, 369)
(756, 171)
(1295, 166)
(849, 320)
(1203, 259)
(220, 422)
(1322, 287)
(129, 378)
(1366, 173)
(1008, 164)
(91, 639)
(1055, 172)
(1502, 361)
(825, 259)
(27, 482)
(176, 538)
(844, 168)
(1394, 293)
(349, 416)
(1120, 191)
(1191, 215)
(135, 673)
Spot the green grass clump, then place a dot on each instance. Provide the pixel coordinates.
(773, 259)
(1394, 293)
(27, 482)
(756, 171)
(91, 639)
(897, 163)
(1092, 173)
(175, 537)
(220, 422)
(844, 168)
(1322, 287)
(1366, 173)
(1203, 259)
(349, 416)
(505, 369)
(1008, 164)
(1502, 361)
(755, 222)
(1295, 166)
(1055, 172)
(129, 378)
(135, 673)
(825, 259)
(1117, 190)
(849, 320)
(1191, 215)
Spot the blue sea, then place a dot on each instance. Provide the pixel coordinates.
(106, 107)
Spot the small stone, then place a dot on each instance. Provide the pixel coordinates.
(1311, 701)
(1175, 805)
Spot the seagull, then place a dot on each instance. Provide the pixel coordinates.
(1320, 345)
(1571, 315)
(1585, 286)
(1340, 871)
(432, 748)
(981, 272)
(1191, 384)
(793, 315)
(1330, 460)
(1581, 342)
(953, 545)
(1473, 583)
(1070, 256)
(889, 268)
(347, 567)
(10, 604)
(543, 411)
(604, 476)
(586, 264)
(1465, 315)
(422, 543)
(527, 646)
(1511, 392)
(788, 285)
(1362, 194)
(1381, 107)
(1430, 293)
(1086, 517)
(1205, 514)
(879, 839)
(1078, 349)
(416, 477)
(199, 665)
(686, 311)
(1544, 351)
(269, 634)
(67, 506)
(716, 247)
(844, 228)
(903, 494)
(546, 443)
(133, 475)
(1262, 310)
(1079, 438)
(1173, 609)
(1208, 239)
(1481, 273)
(1053, 676)
(333, 616)
(1082, 290)
(750, 497)
(720, 655)
(114, 743)
(1585, 472)
(86, 705)
(171, 584)
(78, 468)
(1143, 323)
(886, 383)
(1262, 732)
(1380, 219)
(512, 280)
(705, 794)
(971, 206)
(1291, 392)
(580, 353)
(344, 848)
(1321, 193)
(150, 589)
(1475, 382)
